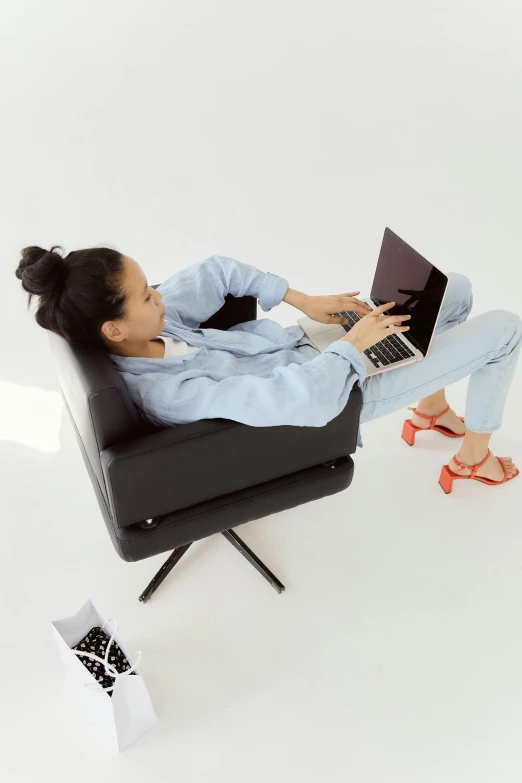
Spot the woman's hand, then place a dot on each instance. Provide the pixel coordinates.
(321, 308)
(375, 327)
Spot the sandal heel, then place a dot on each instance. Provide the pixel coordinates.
(446, 480)
(408, 432)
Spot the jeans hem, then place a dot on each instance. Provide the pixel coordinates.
(480, 430)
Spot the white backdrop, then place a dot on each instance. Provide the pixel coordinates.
(286, 135)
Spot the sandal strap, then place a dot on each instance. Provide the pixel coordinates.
(474, 468)
(433, 418)
(503, 468)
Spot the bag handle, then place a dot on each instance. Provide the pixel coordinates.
(110, 670)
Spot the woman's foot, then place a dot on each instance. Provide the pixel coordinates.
(449, 420)
(491, 469)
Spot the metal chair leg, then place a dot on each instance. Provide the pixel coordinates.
(165, 569)
(253, 558)
(234, 539)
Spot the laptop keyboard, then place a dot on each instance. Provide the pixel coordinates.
(387, 351)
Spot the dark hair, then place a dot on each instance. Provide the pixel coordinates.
(77, 293)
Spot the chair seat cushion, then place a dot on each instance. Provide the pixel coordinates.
(180, 466)
(230, 511)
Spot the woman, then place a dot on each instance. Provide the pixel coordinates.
(262, 374)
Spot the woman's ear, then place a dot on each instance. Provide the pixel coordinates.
(112, 332)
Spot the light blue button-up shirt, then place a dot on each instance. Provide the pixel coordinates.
(258, 372)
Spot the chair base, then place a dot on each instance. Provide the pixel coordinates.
(234, 539)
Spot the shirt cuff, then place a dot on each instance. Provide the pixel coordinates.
(349, 351)
(273, 290)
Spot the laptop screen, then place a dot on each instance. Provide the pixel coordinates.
(417, 287)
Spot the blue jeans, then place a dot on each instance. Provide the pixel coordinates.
(485, 347)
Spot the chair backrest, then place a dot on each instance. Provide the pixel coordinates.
(97, 399)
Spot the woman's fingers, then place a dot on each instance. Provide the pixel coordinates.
(392, 319)
(389, 320)
(382, 308)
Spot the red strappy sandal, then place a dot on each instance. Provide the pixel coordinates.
(409, 429)
(447, 476)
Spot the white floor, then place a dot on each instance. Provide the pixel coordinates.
(393, 654)
(287, 136)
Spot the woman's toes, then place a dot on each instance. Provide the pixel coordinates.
(511, 469)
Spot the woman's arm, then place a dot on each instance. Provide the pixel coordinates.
(192, 295)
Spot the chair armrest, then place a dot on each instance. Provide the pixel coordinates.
(235, 310)
(191, 463)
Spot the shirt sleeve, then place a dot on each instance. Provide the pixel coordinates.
(192, 295)
(304, 395)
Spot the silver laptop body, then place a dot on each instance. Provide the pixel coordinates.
(415, 285)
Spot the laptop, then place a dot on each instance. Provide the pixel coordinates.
(418, 289)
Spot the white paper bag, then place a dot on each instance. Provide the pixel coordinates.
(129, 712)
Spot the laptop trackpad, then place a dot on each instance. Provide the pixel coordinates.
(321, 334)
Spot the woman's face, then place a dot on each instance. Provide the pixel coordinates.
(144, 316)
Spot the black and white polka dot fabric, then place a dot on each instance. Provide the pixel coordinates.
(96, 643)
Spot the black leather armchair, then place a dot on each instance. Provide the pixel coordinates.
(164, 488)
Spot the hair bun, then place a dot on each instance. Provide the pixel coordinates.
(41, 271)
